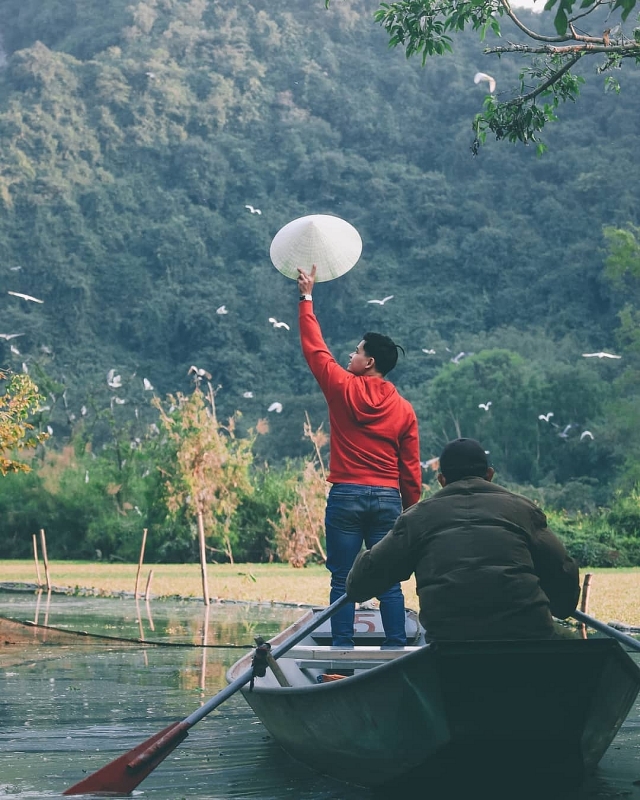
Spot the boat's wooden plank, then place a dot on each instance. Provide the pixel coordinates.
(367, 653)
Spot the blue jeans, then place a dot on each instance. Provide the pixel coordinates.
(357, 514)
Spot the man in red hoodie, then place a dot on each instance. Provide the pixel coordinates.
(374, 462)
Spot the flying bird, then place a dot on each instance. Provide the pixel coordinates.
(86, 476)
(222, 310)
(434, 463)
(15, 350)
(26, 297)
(247, 394)
(7, 336)
(599, 355)
(148, 386)
(546, 417)
(428, 352)
(199, 372)
(15, 269)
(482, 76)
(381, 302)
(456, 359)
(25, 368)
(113, 380)
(49, 430)
(485, 405)
(586, 433)
(277, 324)
(277, 407)
(83, 411)
(253, 210)
(565, 433)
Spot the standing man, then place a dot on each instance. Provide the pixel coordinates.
(374, 462)
(486, 564)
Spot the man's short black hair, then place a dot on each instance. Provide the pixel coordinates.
(463, 458)
(383, 350)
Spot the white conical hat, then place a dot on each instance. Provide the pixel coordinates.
(330, 243)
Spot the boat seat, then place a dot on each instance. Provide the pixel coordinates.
(322, 658)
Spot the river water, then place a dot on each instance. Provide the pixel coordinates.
(71, 704)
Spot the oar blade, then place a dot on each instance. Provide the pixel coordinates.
(123, 774)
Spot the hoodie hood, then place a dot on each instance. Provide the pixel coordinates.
(371, 398)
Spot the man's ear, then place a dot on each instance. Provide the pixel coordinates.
(490, 473)
(442, 480)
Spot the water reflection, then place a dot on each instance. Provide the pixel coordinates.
(66, 709)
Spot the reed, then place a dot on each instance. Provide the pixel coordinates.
(614, 593)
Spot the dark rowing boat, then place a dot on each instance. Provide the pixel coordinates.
(543, 709)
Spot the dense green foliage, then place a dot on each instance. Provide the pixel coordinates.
(132, 137)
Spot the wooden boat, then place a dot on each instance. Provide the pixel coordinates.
(543, 709)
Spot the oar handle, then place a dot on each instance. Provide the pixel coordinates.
(241, 680)
(594, 623)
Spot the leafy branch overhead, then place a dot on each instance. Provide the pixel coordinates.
(599, 28)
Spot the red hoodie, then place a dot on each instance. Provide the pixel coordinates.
(374, 431)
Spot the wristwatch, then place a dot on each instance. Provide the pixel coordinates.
(305, 297)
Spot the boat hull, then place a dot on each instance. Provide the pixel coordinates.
(551, 708)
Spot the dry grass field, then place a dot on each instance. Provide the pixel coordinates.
(614, 594)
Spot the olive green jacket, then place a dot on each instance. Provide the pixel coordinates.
(486, 564)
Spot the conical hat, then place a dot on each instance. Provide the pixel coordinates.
(330, 243)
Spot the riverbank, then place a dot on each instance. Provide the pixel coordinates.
(614, 593)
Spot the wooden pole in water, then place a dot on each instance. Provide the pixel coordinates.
(203, 559)
(584, 602)
(35, 556)
(144, 541)
(147, 591)
(586, 587)
(43, 543)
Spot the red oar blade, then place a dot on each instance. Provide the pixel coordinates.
(122, 775)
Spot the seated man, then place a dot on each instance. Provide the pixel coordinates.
(486, 564)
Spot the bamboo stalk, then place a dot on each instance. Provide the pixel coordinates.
(35, 556)
(203, 559)
(144, 541)
(43, 543)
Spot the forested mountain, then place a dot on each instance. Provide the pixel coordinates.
(134, 134)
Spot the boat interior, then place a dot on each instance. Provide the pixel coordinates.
(314, 656)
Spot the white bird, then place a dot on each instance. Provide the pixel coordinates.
(456, 359)
(7, 336)
(26, 297)
(15, 350)
(381, 302)
(199, 372)
(222, 310)
(253, 210)
(586, 433)
(434, 463)
(277, 407)
(25, 368)
(545, 417)
(148, 386)
(49, 430)
(86, 476)
(599, 355)
(46, 350)
(15, 269)
(485, 405)
(482, 76)
(150, 75)
(113, 380)
(247, 394)
(83, 411)
(277, 324)
(565, 433)
(428, 352)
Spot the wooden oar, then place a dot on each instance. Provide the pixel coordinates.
(594, 623)
(122, 775)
